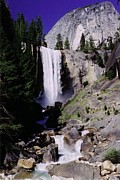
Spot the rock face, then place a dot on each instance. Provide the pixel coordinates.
(81, 68)
(99, 20)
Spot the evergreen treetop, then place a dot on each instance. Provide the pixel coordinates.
(59, 43)
(67, 44)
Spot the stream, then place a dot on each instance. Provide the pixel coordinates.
(66, 153)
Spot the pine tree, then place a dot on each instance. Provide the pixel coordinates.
(86, 48)
(59, 44)
(7, 53)
(27, 71)
(82, 42)
(91, 43)
(21, 28)
(6, 22)
(67, 44)
(43, 41)
(35, 31)
(105, 57)
(110, 44)
(32, 32)
(39, 30)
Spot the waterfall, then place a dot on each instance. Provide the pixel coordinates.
(51, 60)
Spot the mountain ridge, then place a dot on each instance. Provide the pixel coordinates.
(99, 20)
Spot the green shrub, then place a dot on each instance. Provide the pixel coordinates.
(105, 107)
(78, 114)
(108, 112)
(112, 155)
(99, 98)
(116, 111)
(111, 74)
(85, 83)
(87, 109)
(64, 117)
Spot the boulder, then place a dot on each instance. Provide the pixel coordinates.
(11, 159)
(111, 131)
(39, 152)
(26, 163)
(51, 153)
(47, 156)
(21, 144)
(107, 165)
(72, 124)
(72, 136)
(87, 145)
(36, 148)
(114, 177)
(75, 170)
(105, 172)
(60, 178)
(118, 168)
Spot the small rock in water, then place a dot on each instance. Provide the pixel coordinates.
(26, 163)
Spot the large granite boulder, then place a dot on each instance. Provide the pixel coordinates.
(75, 170)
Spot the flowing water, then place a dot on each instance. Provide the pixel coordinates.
(51, 60)
(66, 154)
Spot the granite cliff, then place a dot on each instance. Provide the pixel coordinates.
(100, 20)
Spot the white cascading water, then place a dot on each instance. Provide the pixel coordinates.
(67, 153)
(51, 60)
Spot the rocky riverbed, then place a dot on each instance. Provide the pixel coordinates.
(77, 148)
(80, 163)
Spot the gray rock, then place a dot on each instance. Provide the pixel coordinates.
(60, 178)
(118, 168)
(113, 126)
(114, 177)
(99, 20)
(107, 165)
(51, 153)
(90, 72)
(75, 170)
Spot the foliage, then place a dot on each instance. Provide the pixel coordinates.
(91, 43)
(85, 83)
(82, 42)
(105, 107)
(99, 98)
(105, 57)
(20, 28)
(87, 109)
(86, 47)
(78, 114)
(17, 73)
(59, 43)
(35, 31)
(96, 58)
(6, 22)
(112, 155)
(111, 45)
(67, 44)
(64, 117)
(111, 74)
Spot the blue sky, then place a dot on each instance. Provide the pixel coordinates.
(50, 11)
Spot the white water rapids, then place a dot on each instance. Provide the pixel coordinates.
(51, 60)
(67, 153)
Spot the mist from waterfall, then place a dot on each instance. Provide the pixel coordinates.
(51, 60)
